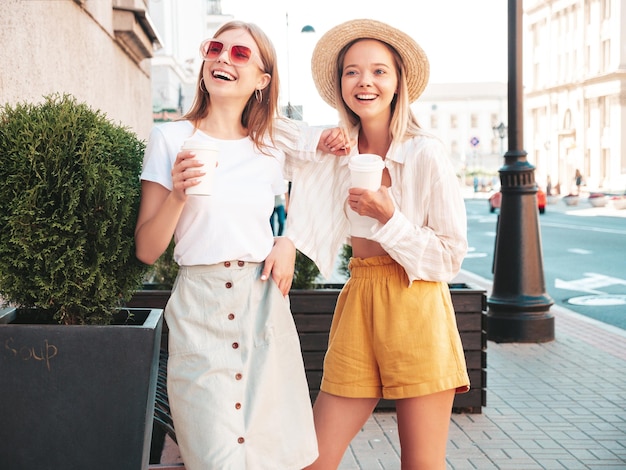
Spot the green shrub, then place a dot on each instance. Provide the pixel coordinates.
(163, 272)
(305, 272)
(69, 195)
(344, 259)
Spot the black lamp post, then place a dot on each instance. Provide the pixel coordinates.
(518, 308)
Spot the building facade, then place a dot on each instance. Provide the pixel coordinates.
(466, 116)
(182, 26)
(575, 91)
(96, 50)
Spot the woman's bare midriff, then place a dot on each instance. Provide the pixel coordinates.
(364, 248)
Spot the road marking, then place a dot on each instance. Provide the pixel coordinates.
(580, 251)
(598, 300)
(472, 253)
(590, 283)
(584, 228)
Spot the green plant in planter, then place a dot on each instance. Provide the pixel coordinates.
(69, 195)
(344, 260)
(305, 272)
(163, 272)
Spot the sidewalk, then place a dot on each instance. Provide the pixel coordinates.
(555, 405)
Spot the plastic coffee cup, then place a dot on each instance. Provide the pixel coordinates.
(366, 170)
(206, 152)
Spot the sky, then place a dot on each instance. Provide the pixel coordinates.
(466, 41)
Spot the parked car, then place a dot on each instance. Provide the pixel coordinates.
(496, 199)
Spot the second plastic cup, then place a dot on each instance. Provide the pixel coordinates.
(206, 152)
(366, 170)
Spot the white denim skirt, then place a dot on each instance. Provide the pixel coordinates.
(238, 393)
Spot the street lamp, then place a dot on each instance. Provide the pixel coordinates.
(500, 131)
(305, 29)
(518, 307)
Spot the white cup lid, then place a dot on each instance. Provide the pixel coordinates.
(366, 162)
(199, 144)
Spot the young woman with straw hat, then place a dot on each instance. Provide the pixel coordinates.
(394, 333)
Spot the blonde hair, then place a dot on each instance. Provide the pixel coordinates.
(403, 124)
(257, 117)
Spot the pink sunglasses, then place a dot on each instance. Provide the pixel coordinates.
(238, 54)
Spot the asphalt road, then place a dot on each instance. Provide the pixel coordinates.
(583, 255)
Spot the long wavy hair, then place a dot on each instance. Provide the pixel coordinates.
(257, 117)
(403, 123)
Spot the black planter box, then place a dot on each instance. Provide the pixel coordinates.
(313, 310)
(78, 397)
(149, 297)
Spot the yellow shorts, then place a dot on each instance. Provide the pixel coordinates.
(392, 341)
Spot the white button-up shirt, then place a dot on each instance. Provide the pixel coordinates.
(427, 234)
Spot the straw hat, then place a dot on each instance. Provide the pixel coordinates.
(323, 62)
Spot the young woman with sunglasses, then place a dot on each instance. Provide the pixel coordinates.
(394, 332)
(236, 383)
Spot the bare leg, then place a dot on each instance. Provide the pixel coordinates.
(423, 424)
(337, 420)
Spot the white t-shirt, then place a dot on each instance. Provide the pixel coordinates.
(232, 223)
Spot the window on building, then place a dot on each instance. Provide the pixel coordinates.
(606, 9)
(567, 119)
(474, 121)
(537, 75)
(495, 145)
(605, 65)
(213, 7)
(434, 122)
(559, 33)
(454, 121)
(605, 112)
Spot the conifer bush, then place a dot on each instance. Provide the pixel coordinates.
(305, 272)
(69, 195)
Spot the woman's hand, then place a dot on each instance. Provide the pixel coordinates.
(336, 141)
(375, 204)
(185, 173)
(280, 264)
